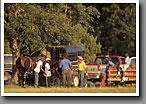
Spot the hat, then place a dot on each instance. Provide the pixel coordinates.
(48, 59)
(80, 57)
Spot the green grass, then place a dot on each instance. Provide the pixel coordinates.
(31, 89)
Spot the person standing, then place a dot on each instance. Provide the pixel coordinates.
(48, 71)
(37, 71)
(105, 76)
(58, 74)
(109, 63)
(66, 67)
(81, 70)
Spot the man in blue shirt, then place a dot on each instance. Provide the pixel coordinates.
(109, 63)
(66, 67)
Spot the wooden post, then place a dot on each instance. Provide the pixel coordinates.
(46, 82)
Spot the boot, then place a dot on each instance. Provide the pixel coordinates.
(35, 86)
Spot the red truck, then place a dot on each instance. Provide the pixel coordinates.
(97, 69)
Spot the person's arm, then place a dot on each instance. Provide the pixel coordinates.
(86, 70)
(60, 65)
(71, 67)
(42, 69)
(85, 67)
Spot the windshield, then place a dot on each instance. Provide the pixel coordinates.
(102, 60)
(133, 62)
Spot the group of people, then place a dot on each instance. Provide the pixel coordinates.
(39, 67)
(66, 71)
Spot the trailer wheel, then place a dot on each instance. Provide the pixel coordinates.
(76, 81)
(85, 81)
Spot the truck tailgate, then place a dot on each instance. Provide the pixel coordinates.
(93, 71)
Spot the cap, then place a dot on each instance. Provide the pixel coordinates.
(80, 57)
(48, 59)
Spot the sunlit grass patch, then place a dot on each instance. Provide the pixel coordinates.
(31, 89)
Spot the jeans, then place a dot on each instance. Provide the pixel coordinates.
(36, 78)
(106, 73)
(81, 78)
(66, 77)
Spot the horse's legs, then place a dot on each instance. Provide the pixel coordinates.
(22, 78)
(19, 78)
(29, 78)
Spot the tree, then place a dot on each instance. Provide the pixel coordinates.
(53, 24)
(118, 28)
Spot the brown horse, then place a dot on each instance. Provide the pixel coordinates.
(25, 63)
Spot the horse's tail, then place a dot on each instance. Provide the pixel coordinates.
(18, 63)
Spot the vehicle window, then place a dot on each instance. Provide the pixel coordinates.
(133, 62)
(72, 56)
(115, 60)
(123, 60)
(8, 59)
(101, 60)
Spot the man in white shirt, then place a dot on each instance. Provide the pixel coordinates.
(48, 71)
(127, 62)
(126, 65)
(37, 71)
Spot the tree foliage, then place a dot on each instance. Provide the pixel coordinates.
(37, 25)
(99, 28)
(117, 28)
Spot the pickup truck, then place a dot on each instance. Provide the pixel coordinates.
(97, 69)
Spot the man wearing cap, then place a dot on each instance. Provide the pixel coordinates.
(37, 71)
(81, 68)
(48, 71)
(66, 67)
(109, 63)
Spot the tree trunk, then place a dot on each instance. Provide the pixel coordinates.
(15, 52)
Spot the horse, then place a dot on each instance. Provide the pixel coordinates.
(23, 64)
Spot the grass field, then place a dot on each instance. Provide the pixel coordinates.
(31, 89)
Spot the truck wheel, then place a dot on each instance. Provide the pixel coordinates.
(76, 81)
